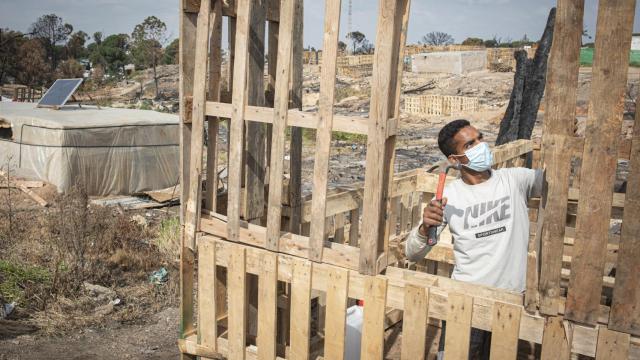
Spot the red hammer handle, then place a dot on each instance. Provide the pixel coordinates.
(432, 239)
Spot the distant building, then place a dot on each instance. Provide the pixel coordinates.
(635, 41)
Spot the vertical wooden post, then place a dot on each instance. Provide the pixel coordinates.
(456, 340)
(256, 134)
(561, 96)
(213, 94)
(599, 161)
(337, 290)
(281, 108)
(625, 312)
(318, 230)
(207, 297)
(295, 155)
(300, 309)
(236, 128)
(375, 301)
(612, 345)
(380, 140)
(556, 339)
(505, 328)
(188, 22)
(268, 305)
(414, 327)
(237, 303)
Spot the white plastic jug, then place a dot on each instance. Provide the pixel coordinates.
(353, 333)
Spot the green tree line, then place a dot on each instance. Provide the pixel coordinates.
(53, 49)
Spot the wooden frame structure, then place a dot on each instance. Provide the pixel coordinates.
(264, 254)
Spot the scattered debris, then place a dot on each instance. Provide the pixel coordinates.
(159, 277)
(98, 292)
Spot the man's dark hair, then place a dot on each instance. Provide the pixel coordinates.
(445, 137)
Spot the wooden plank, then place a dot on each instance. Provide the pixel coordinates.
(197, 124)
(255, 171)
(625, 312)
(561, 96)
(186, 68)
(207, 324)
(35, 197)
(414, 327)
(380, 146)
(375, 302)
(281, 106)
(295, 149)
(268, 306)
(612, 345)
(213, 94)
(339, 220)
(335, 320)
(456, 342)
(610, 67)
(239, 100)
(556, 340)
(354, 226)
(505, 329)
(237, 276)
(318, 232)
(300, 309)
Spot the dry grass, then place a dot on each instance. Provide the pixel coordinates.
(71, 242)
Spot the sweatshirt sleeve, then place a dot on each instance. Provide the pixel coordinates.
(416, 248)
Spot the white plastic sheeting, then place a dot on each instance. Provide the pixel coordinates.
(109, 151)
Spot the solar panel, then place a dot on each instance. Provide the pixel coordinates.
(59, 92)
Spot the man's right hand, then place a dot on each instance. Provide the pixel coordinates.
(432, 215)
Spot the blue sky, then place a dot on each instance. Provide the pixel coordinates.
(460, 18)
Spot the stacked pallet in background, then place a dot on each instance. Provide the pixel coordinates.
(440, 105)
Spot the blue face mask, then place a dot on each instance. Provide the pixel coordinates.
(480, 157)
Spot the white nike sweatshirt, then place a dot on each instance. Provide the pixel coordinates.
(489, 223)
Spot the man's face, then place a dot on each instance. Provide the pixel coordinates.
(464, 140)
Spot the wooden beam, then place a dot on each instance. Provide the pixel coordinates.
(456, 342)
(610, 67)
(255, 156)
(335, 322)
(207, 297)
(268, 306)
(625, 312)
(561, 96)
(295, 149)
(240, 70)
(300, 309)
(414, 326)
(213, 94)
(557, 338)
(380, 146)
(237, 302)
(612, 345)
(504, 331)
(186, 69)
(197, 137)
(281, 106)
(375, 302)
(318, 232)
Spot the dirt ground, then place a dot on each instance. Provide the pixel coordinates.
(75, 325)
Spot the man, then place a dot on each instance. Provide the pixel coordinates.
(486, 211)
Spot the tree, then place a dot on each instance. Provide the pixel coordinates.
(473, 41)
(342, 46)
(148, 38)
(10, 43)
(359, 43)
(491, 43)
(171, 53)
(437, 38)
(75, 46)
(34, 70)
(111, 53)
(69, 69)
(51, 30)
